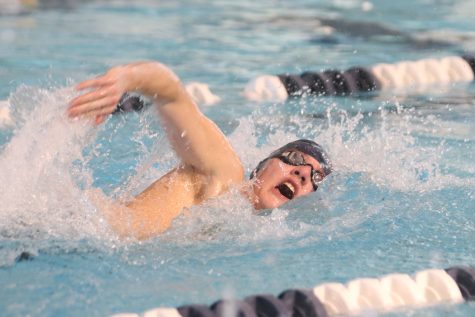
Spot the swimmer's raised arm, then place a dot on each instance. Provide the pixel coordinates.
(196, 139)
(209, 164)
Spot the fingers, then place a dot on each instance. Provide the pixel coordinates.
(88, 97)
(95, 82)
(94, 107)
(100, 115)
(104, 111)
(102, 98)
(99, 119)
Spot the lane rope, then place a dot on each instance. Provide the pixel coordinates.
(355, 80)
(387, 293)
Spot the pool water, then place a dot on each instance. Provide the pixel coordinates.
(401, 199)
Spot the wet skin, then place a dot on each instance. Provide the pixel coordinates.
(277, 182)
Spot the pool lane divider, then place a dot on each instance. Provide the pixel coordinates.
(388, 293)
(199, 92)
(350, 82)
(353, 81)
(356, 80)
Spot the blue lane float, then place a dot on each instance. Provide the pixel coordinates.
(387, 293)
(356, 80)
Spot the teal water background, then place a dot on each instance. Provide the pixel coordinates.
(401, 199)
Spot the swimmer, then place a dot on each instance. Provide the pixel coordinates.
(209, 165)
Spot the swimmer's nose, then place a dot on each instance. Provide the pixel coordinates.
(302, 173)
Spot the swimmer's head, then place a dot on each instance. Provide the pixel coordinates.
(294, 170)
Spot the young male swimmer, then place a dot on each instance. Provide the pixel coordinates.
(209, 165)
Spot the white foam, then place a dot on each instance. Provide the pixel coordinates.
(44, 172)
(387, 153)
(48, 176)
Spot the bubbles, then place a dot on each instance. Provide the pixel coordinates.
(383, 160)
(52, 163)
(229, 218)
(386, 147)
(44, 174)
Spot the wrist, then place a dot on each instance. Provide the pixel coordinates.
(132, 78)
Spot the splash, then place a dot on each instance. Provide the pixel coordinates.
(400, 150)
(47, 174)
(44, 173)
(381, 159)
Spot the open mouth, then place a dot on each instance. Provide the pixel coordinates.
(287, 190)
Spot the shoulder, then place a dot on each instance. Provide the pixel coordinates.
(210, 185)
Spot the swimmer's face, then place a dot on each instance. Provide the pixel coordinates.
(277, 182)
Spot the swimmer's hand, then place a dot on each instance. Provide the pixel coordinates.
(102, 94)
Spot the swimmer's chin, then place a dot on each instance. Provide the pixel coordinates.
(250, 190)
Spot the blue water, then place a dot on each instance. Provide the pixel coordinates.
(401, 198)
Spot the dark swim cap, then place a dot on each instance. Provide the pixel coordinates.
(308, 147)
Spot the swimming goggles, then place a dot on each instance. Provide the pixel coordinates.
(297, 159)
